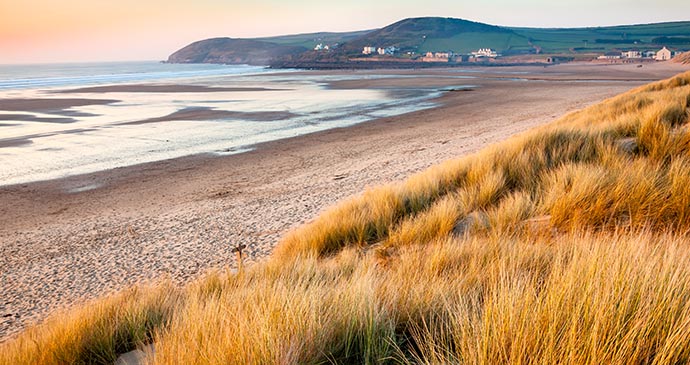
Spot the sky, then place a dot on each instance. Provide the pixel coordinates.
(40, 31)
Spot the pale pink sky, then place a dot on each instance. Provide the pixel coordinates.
(36, 31)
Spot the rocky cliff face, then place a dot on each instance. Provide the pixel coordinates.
(233, 51)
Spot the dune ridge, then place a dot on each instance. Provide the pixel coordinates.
(565, 244)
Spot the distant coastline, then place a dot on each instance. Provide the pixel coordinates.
(446, 42)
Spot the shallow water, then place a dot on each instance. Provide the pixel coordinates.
(47, 144)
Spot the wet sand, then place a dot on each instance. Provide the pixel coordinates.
(68, 240)
(199, 113)
(48, 104)
(28, 139)
(33, 118)
(148, 88)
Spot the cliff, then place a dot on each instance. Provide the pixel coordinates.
(233, 51)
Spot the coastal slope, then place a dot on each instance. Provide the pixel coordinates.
(414, 37)
(233, 51)
(438, 34)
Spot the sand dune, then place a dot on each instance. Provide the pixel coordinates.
(76, 238)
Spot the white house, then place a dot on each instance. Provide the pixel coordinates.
(485, 52)
(369, 50)
(649, 54)
(610, 56)
(387, 51)
(663, 55)
(392, 50)
(438, 57)
(439, 54)
(631, 54)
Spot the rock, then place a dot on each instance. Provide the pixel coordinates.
(136, 357)
(627, 145)
(472, 221)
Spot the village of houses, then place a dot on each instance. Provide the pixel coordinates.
(663, 54)
(372, 53)
(449, 56)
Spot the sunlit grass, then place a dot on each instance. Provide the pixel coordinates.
(97, 332)
(564, 245)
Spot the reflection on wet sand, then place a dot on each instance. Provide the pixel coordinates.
(28, 139)
(156, 121)
(204, 113)
(48, 104)
(33, 118)
(171, 88)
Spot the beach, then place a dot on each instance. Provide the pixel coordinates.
(68, 240)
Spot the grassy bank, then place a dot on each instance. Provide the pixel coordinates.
(566, 244)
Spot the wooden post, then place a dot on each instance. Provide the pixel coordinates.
(238, 251)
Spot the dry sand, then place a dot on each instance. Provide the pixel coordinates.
(72, 239)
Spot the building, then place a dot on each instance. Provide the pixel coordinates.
(631, 54)
(649, 54)
(321, 47)
(610, 56)
(664, 54)
(437, 57)
(369, 50)
(558, 59)
(485, 52)
(387, 51)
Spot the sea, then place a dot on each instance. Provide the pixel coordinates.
(59, 120)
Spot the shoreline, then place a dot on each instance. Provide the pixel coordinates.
(79, 237)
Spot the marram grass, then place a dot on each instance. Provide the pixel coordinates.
(565, 245)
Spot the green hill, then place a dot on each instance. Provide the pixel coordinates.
(309, 40)
(598, 39)
(439, 34)
(232, 51)
(257, 51)
(434, 34)
(462, 36)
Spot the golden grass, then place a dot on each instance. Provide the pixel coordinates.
(579, 298)
(97, 332)
(564, 245)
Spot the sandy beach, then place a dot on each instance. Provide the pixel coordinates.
(69, 240)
